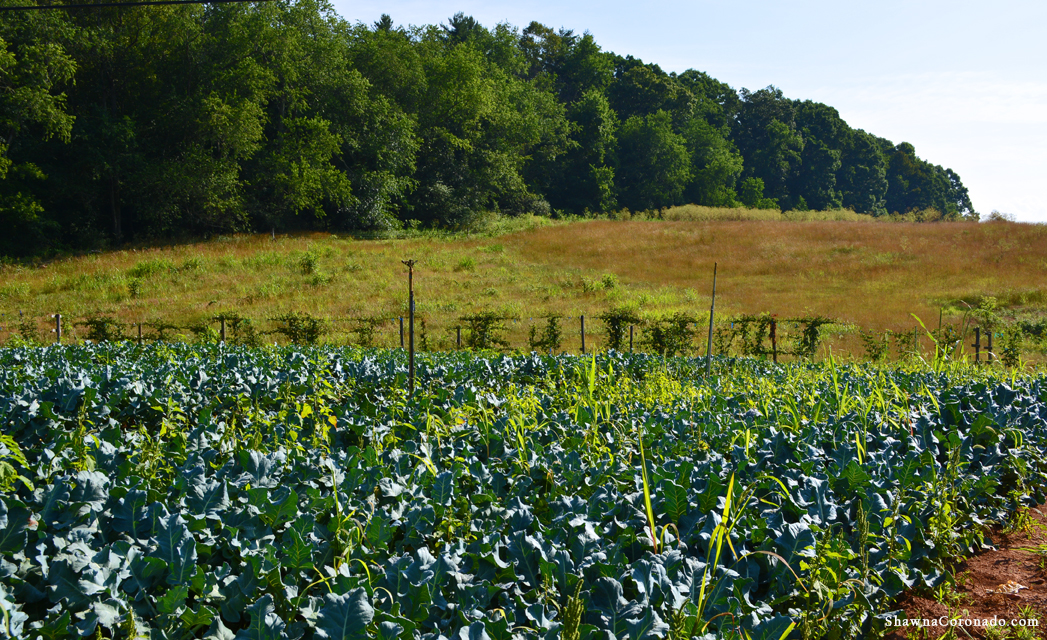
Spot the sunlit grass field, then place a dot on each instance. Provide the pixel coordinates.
(867, 274)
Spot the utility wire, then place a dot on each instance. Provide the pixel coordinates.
(104, 5)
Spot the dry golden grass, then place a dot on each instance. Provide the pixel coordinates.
(870, 274)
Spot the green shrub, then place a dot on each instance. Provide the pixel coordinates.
(301, 328)
(671, 335)
(102, 328)
(1011, 346)
(367, 328)
(550, 339)
(485, 330)
(876, 345)
(616, 323)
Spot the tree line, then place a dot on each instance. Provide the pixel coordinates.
(121, 124)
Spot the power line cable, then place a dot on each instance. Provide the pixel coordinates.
(105, 5)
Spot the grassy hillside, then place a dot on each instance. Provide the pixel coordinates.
(867, 274)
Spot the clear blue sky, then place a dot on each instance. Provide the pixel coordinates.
(964, 82)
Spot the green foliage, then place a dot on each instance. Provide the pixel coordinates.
(367, 328)
(1011, 346)
(807, 341)
(549, 340)
(654, 165)
(102, 328)
(300, 327)
(287, 116)
(616, 322)
(239, 330)
(670, 335)
(750, 193)
(877, 345)
(754, 333)
(361, 506)
(485, 330)
(11, 455)
(28, 330)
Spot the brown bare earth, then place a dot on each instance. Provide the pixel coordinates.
(1000, 585)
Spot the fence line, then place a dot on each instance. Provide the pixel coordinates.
(751, 335)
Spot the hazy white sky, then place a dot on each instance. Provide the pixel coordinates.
(964, 82)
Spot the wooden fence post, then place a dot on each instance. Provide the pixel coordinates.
(139, 332)
(58, 328)
(774, 339)
(410, 314)
(223, 329)
(630, 338)
(459, 332)
(583, 333)
(989, 357)
(977, 344)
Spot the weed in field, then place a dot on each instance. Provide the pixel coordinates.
(467, 263)
(134, 287)
(15, 291)
(150, 268)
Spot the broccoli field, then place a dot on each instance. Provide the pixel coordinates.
(204, 491)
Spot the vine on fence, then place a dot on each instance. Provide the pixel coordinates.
(485, 330)
(240, 330)
(747, 335)
(753, 331)
(102, 328)
(367, 328)
(550, 339)
(300, 327)
(670, 335)
(616, 322)
(877, 345)
(807, 341)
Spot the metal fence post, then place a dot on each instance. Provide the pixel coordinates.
(582, 318)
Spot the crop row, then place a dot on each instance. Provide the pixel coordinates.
(177, 491)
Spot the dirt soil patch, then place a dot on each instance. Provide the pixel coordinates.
(1001, 585)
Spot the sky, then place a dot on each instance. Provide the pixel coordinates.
(964, 82)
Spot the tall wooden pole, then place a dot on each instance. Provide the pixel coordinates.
(410, 325)
(712, 312)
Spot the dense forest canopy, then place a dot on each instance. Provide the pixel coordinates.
(119, 124)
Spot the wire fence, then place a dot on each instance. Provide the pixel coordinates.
(756, 335)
